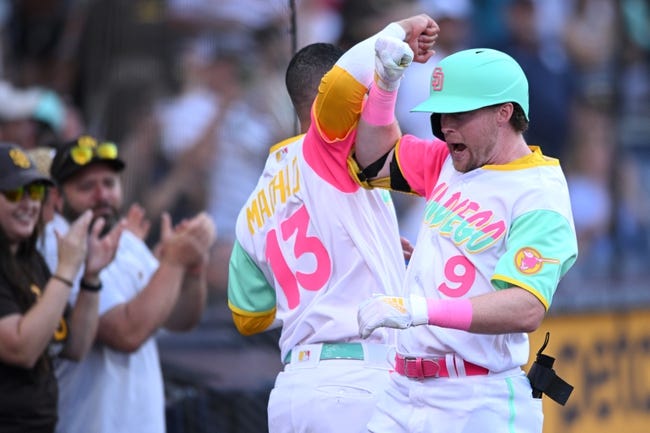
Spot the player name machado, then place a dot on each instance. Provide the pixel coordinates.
(284, 184)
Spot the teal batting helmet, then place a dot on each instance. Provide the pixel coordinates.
(473, 79)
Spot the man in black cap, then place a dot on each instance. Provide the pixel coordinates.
(119, 387)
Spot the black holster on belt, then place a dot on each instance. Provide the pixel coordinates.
(544, 380)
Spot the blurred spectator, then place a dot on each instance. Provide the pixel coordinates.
(589, 169)
(118, 387)
(267, 82)
(176, 149)
(187, 146)
(550, 81)
(239, 156)
(35, 36)
(634, 84)
(31, 117)
(133, 63)
(592, 52)
(632, 178)
(632, 230)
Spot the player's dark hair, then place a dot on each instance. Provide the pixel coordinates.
(518, 119)
(305, 71)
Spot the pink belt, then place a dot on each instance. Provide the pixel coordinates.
(420, 368)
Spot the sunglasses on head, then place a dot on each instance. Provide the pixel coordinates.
(35, 191)
(87, 148)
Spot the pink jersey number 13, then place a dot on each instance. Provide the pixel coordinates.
(288, 278)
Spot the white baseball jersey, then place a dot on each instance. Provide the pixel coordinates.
(311, 243)
(313, 249)
(482, 231)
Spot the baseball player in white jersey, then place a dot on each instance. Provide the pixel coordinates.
(496, 237)
(312, 244)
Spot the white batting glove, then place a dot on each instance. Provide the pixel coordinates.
(392, 57)
(391, 312)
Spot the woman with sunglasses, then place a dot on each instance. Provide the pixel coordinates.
(37, 324)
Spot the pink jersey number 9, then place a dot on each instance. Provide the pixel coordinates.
(460, 272)
(288, 278)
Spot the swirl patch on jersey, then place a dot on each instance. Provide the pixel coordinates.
(529, 261)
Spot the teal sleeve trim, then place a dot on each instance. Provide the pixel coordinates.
(541, 248)
(249, 293)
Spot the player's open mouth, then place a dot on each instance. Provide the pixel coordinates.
(456, 147)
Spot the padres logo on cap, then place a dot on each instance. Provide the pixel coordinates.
(19, 158)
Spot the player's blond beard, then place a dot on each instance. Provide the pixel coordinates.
(483, 154)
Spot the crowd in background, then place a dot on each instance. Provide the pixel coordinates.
(192, 91)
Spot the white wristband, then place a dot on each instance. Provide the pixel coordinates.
(419, 310)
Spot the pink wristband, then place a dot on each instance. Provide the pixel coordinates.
(380, 106)
(450, 313)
